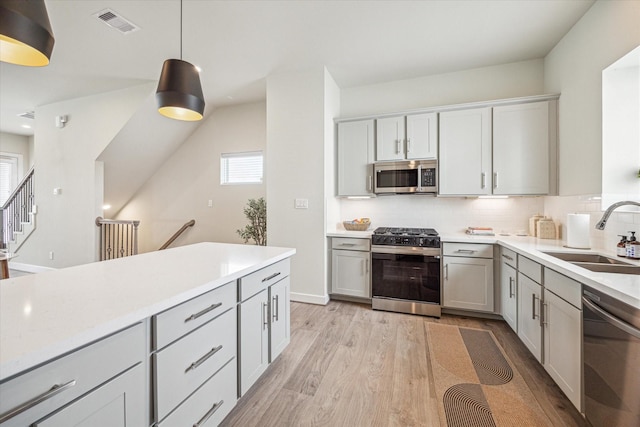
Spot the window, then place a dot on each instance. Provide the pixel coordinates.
(8, 175)
(241, 168)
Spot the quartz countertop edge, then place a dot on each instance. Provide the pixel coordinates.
(624, 287)
(39, 321)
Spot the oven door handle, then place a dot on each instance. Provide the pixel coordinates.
(624, 326)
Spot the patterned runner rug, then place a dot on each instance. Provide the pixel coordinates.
(476, 384)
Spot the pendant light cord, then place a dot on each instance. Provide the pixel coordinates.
(181, 30)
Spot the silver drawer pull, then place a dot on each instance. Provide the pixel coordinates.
(266, 279)
(466, 251)
(56, 389)
(204, 358)
(507, 257)
(349, 245)
(209, 414)
(203, 312)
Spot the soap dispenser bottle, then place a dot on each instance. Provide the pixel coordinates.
(621, 248)
(633, 246)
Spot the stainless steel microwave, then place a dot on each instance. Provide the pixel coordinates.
(410, 176)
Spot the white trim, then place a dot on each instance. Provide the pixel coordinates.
(309, 298)
(29, 268)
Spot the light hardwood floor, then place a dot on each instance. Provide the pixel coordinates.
(348, 365)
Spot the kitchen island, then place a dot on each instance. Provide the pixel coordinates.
(47, 317)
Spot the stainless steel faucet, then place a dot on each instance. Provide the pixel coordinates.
(603, 221)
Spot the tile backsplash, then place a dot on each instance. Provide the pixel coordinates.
(511, 215)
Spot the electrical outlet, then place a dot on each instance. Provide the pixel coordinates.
(302, 204)
(51, 255)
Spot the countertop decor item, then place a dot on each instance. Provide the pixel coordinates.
(360, 224)
(578, 231)
(533, 224)
(546, 229)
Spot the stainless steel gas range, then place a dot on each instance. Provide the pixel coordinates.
(405, 274)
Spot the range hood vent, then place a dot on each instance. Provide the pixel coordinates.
(28, 115)
(112, 19)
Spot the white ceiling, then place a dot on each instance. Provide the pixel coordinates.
(239, 43)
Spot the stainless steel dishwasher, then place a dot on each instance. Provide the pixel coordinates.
(611, 347)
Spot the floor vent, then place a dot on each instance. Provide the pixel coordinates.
(112, 19)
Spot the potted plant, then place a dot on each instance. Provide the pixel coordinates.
(256, 230)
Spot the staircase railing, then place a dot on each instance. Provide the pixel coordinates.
(17, 208)
(177, 234)
(118, 238)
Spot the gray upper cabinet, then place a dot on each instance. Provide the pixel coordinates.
(407, 137)
(355, 156)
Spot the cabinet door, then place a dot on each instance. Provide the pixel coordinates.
(422, 136)
(562, 345)
(468, 283)
(390, 138)
(521, 149)
(350, 273)
(355, 156)
(529, 329)
(117, 403)
(254, 339)
(280, 327)
(465, 152)
(509, 295)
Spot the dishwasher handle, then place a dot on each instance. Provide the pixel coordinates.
(624, 326)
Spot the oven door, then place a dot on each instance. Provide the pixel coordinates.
(409, 275)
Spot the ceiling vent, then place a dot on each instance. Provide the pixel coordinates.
(28, 115)
(112, 19)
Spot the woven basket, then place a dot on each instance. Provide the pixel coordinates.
(354, 226)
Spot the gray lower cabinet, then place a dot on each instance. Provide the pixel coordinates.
(99, 385)
(350, 267)
(263, 321)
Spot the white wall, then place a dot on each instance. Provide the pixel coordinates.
(66, 158)
(296, 137)
(181, 188)
(573, 68)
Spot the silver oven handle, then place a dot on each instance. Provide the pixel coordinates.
(611, 319)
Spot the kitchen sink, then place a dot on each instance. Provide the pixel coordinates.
(597, 263)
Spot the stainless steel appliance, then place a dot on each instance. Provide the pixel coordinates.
(405, 273)
(611, 349)
(410, 176)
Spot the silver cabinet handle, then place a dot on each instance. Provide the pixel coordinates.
(370, 183)
(507, 257)
(446, 272)
(533, 306)
(56, 389)
(511, 294)
(203, 312)
(483, 180)
(204, 358)
(266, 279)
(398, 145)
(408, 145)
(367, 264)
(209, 414)
(543, 316)
(466, 251)
(495, 180)
(265, 315)
(275, 308)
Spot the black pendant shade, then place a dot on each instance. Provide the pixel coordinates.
(26, 37)
(179, 94)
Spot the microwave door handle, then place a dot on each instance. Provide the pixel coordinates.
(419, 177)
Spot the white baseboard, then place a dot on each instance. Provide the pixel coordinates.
(28, 268)
(309, 298)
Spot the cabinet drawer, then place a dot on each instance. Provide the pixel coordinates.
(253, 283)
(350, 244)
(529, 268)
(182, 319)
(183, 366)
(565, 288)
(215, 399)
(74, 375)
(470, 250)
(509, 257)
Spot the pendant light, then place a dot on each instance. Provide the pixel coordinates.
(26, 37)
(179, 94)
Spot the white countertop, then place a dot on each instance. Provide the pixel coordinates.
(45, 315)
(624, 287)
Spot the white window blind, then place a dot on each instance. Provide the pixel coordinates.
(241, 168)
(8, 177)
